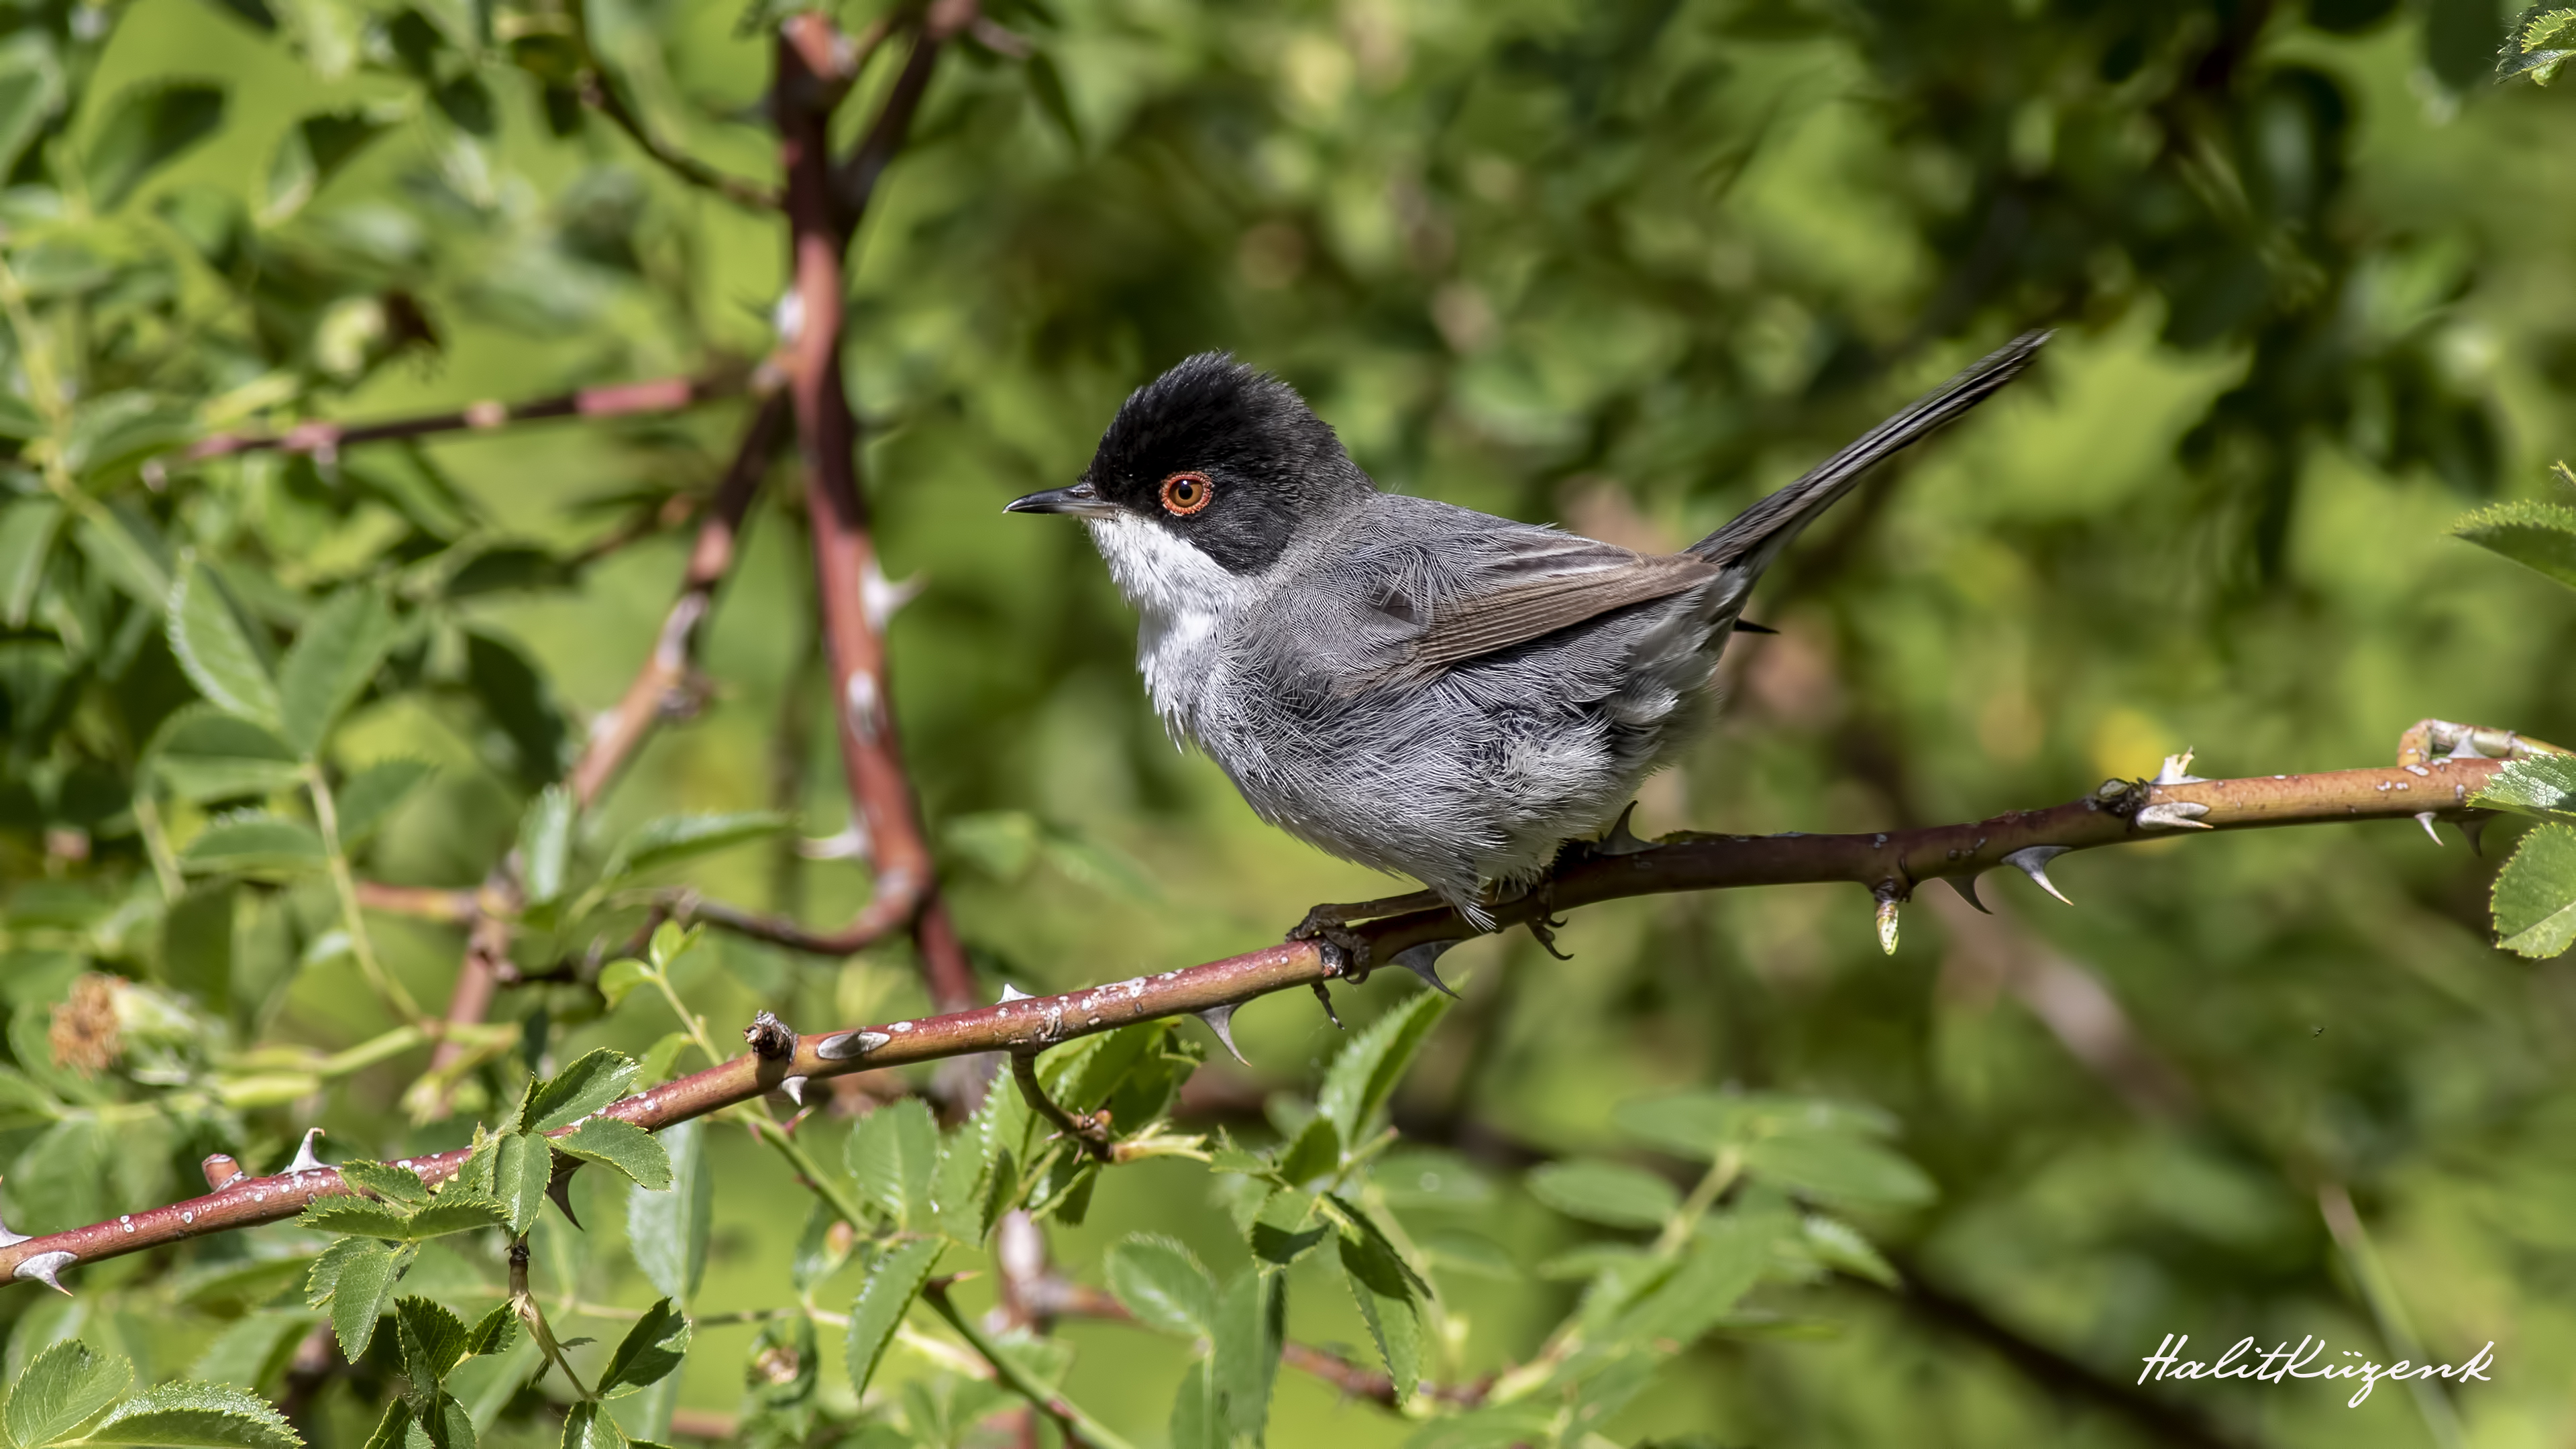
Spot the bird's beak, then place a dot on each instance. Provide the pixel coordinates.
(1082, 500)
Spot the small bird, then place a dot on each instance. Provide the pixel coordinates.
(1411, 685)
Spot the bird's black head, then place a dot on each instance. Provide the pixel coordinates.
(1227, 458)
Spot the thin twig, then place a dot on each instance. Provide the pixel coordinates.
(322, 436)
(1683, 863)
(591, 83)
(1077, 1426)
(1086, 1130)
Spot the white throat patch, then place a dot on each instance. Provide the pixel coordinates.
(1181, 597)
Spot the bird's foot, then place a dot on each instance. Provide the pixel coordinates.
(1346, 952)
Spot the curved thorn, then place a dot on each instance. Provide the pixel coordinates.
(2032, 861)
(794, 1087)
(559, 1185)
(2473, 827)
(1220, 1019)
(848, 1044)
(43, 1267)
(305, 1161)
(1012, 993)
(1966, 886)
(1619, 840)
(1419, 959)
(2425, 819)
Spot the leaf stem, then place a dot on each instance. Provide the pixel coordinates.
(326, 813)
(808, 1171)
(1078, 1426)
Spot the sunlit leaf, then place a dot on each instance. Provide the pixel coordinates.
(2535, 894)
(891, 1154)
(615, 1143)
(2544, 785)
(197, 1416)
(1251, 1325)
(667, 1229)
(2539, 536)
(433, 1340)
(255, 842)
(892, 1283)
(60, 1389)
(203, 753)
(1162, 1284)
(649, 1351)
(591, 1082)
(1363, 1077)
(545, 845)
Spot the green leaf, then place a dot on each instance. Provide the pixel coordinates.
(1838, 1166)
(1197, 1421)
(31, 92)
(521, 1168)
(127, 551)
(2535, 894)
(492, 1333)
(116, 431)
(616, 1143)
(356, 1280)
(202, 753)
(590, 1083)
(588, 1426)
(334, 656)
(1286, 1229)
(357, 1215)
(667, 1230)
(891, 1155)
(820, 1252)
(27, 529)
(545, 846)
(649, 1351)
(310, 154)
(1839, 1246)
(145, 129)
(1724, 1261)
(60, 1390)
(675, 838)
(1163, 1285)
(393, 1431)
(2539, 536)
(216, 650)
(398, 1185)
(1314, 1152)
(1364, 1075)
(892, 1283)
(254, 842)
(1251, 1326)
(1383, 1287)
(1605, 1192)
(618, 979)
(197, 1416)
(433, 1340)
(368, 797)
(2544, 785)
(958, 1202)
(455, 1212)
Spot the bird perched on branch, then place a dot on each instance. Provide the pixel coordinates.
(1407, 684)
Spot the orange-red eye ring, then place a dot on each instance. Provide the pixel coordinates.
(1187, 493)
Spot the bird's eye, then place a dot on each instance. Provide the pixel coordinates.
(1187, 493)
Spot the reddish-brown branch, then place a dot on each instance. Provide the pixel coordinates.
(1681, 863)
(845, 566)
(320, 435)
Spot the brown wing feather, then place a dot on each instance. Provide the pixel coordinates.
(1518, 612)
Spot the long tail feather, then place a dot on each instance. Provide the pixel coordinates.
(1747, 545)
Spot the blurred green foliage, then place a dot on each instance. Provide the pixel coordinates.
(1625, 265)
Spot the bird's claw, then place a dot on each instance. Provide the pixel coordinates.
(1345, 951)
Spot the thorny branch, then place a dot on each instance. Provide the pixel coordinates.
(1890, 865)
